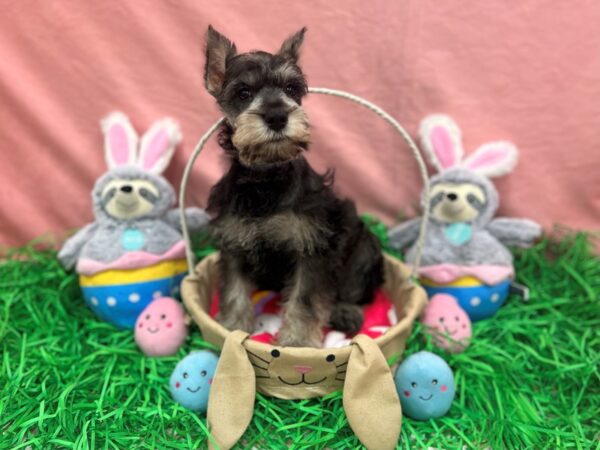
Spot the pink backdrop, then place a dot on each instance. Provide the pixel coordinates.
(529, 72)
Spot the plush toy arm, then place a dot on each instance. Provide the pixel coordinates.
(517, 232)
(69, 253)
(197, 218)
(405, 234)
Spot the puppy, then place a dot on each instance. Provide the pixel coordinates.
(279, 224)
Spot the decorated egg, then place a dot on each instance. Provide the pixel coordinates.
(425, 385)
(161, 329)
(191, 380)
(447, 323)
(120, 295)
(478, 299)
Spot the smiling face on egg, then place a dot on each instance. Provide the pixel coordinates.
(425, 385)
(191, 380)
(160, 329)
(447, 322)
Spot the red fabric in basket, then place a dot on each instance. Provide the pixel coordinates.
(379, 316)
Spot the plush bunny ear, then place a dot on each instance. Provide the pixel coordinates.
(120, 140)
(158, 145)
(441, 139)
(493, 159)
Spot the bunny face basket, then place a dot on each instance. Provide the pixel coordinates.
(360, 369)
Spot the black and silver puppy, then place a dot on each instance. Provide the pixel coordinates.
(278, 222)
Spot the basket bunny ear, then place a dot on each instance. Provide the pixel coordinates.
(120, 140)
(158, 145)
(232, 395)
(370, 398)
(441, 139)
(493, 159)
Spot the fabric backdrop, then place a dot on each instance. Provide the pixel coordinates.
(527, 71)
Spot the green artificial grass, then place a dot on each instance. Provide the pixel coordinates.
(529, 380)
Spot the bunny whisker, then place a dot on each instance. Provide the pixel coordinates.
(258, 357)
(259, 367)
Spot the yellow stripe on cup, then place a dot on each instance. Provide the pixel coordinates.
(468, 281)
(158, 271)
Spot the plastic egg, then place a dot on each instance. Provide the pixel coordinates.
(447, 323)
(160, 329)
(120, 295)
(425, 385)
(192, 378)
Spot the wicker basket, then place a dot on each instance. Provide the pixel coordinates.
(360, 369)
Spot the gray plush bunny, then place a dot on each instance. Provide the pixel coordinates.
(135, 225)
(464, 245)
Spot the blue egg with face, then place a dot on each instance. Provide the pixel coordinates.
(425, 385)
(191, 380)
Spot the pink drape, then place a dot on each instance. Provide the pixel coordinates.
(525, 71)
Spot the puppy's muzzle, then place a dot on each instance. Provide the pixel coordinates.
(276, 119)
(273, 135)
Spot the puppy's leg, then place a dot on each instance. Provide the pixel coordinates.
(308, 299)
(235, 307)
(358, 279)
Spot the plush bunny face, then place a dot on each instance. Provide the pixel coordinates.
(133, 188)
(461, 191)
(460, 195)
(456, 202)
(128, 199)
(128, 193)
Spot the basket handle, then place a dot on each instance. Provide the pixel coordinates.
(336, 93)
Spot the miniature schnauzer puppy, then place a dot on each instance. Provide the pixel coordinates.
(279, 225)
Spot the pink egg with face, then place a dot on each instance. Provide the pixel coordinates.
(160, 329)
(447, 323)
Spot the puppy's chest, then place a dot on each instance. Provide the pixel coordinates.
(285, 231)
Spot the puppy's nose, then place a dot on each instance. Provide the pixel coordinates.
(127, 189)
(302, 369)
(276, 119)
(452, 196)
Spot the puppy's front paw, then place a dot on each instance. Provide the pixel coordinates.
(346, 317)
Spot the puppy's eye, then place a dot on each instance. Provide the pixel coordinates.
(163, 316)
(441, 320)
(244, 93)
(413, 384)
(291, 90)
(457, 318)
(147, 316)
(434, 382)
(330, 358)
(203, 373)
(275, 353)
(185, 375)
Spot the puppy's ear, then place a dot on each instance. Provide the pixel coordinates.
(218, 50)
(290, 49)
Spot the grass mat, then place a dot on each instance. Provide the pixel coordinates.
(530, 379)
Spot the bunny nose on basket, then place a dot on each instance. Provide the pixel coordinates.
(302, 369)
